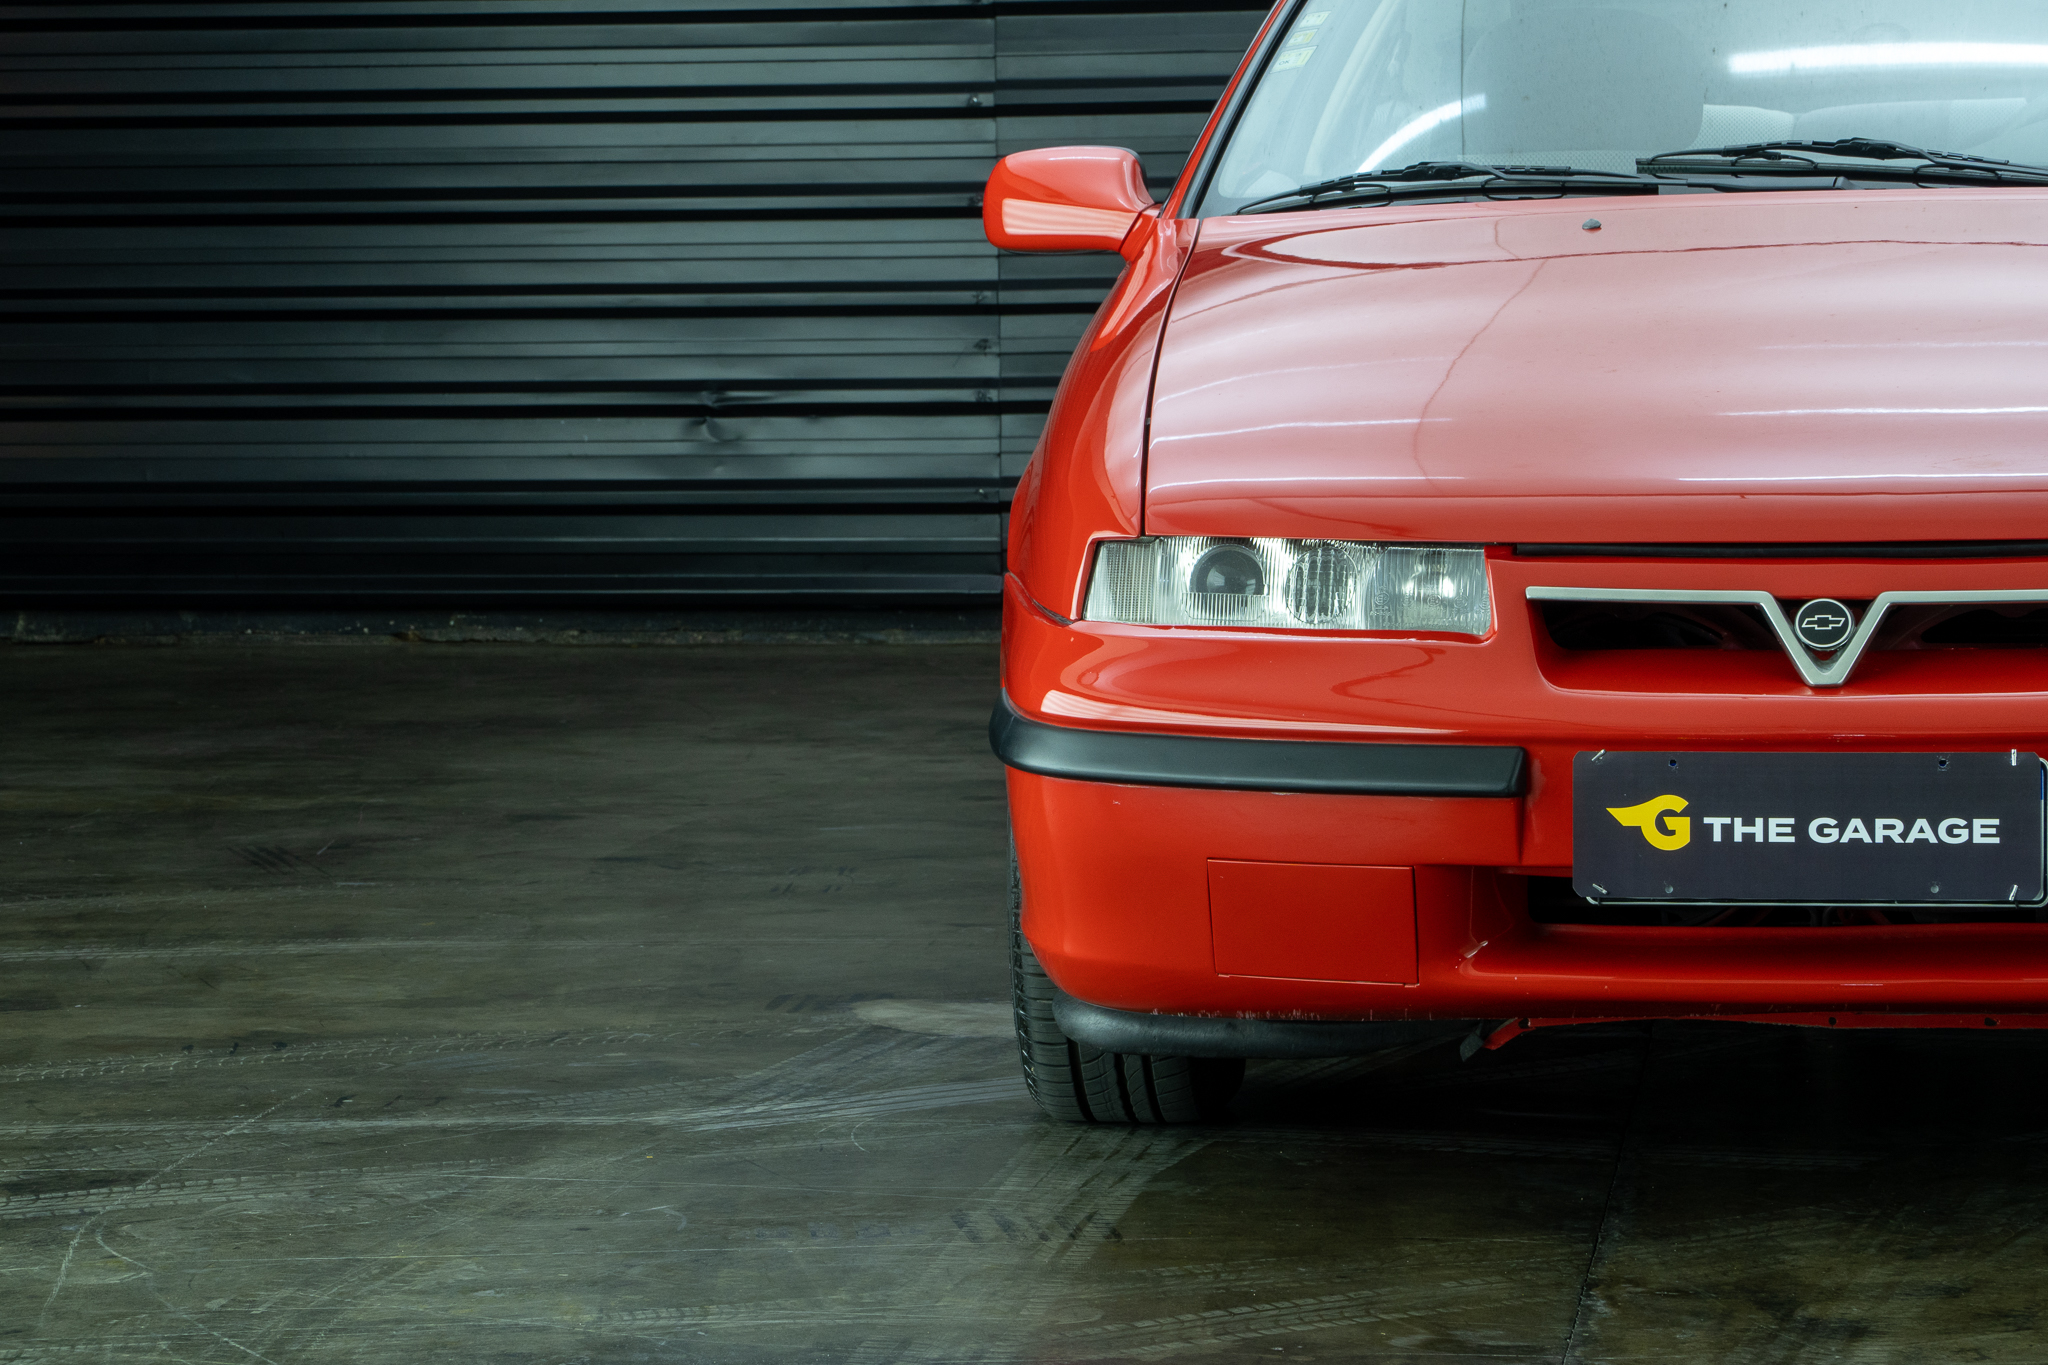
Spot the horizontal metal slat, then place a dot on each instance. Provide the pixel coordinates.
(306, 260)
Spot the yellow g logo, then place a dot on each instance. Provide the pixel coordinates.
(1663, 830)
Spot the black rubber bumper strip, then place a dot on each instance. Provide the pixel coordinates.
(1346, 767)
(1183, 1035)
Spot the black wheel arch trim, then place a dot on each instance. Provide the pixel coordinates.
(1184, 1035)
(1338, 767)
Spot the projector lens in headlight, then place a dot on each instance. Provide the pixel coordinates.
(1290, 584)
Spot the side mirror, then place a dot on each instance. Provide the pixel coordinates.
(1064, 199)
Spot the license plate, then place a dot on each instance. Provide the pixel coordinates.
(1834, 829)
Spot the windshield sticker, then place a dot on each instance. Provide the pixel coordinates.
(1293, 57)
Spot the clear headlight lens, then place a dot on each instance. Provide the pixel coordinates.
(1291, 584)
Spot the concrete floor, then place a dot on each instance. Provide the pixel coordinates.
(525, 1004)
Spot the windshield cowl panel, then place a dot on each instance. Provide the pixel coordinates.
(1360, 86)
(1532, 228)
(1699, 368)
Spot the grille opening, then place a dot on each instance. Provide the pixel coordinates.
(1670, 625)
(2015, 627)
(1552, 901)
(1656, 625)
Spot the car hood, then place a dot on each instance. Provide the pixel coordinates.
(1777, 367)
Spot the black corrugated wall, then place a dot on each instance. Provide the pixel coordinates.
(540, 299)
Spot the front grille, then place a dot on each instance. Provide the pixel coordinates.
(1980, 628)
(1552, 901)
(1665, 625)
(1655, 625)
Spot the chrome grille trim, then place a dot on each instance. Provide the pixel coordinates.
(1836, 669)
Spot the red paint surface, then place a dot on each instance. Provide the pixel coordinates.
(1516, 687)
(1765, 368)
(1116, 906)
(1064, 199)
(1087, 478)
(1781, 367)
(1312, 921)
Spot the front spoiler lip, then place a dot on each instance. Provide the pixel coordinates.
(1145, 758)
(1187, 1035)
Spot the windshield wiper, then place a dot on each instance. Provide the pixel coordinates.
(1425, 179)
(1793, 156)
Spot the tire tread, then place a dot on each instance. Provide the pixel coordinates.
(1075, 1083)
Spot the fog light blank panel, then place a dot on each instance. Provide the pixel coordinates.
(1313, 921)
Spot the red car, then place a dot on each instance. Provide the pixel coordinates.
(1550, 526)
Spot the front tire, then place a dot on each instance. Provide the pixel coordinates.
(1076, 1083)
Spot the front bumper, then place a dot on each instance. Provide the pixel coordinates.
(1118, 885)
(1172, 885)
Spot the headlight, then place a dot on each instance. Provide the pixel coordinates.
(1290, 584)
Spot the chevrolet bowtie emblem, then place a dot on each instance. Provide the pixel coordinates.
(1823, 625)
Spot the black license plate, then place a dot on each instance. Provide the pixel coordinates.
(1832, 829)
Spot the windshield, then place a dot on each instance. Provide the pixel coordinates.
(1364, 85)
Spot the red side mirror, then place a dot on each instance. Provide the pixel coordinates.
(1064, 199)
